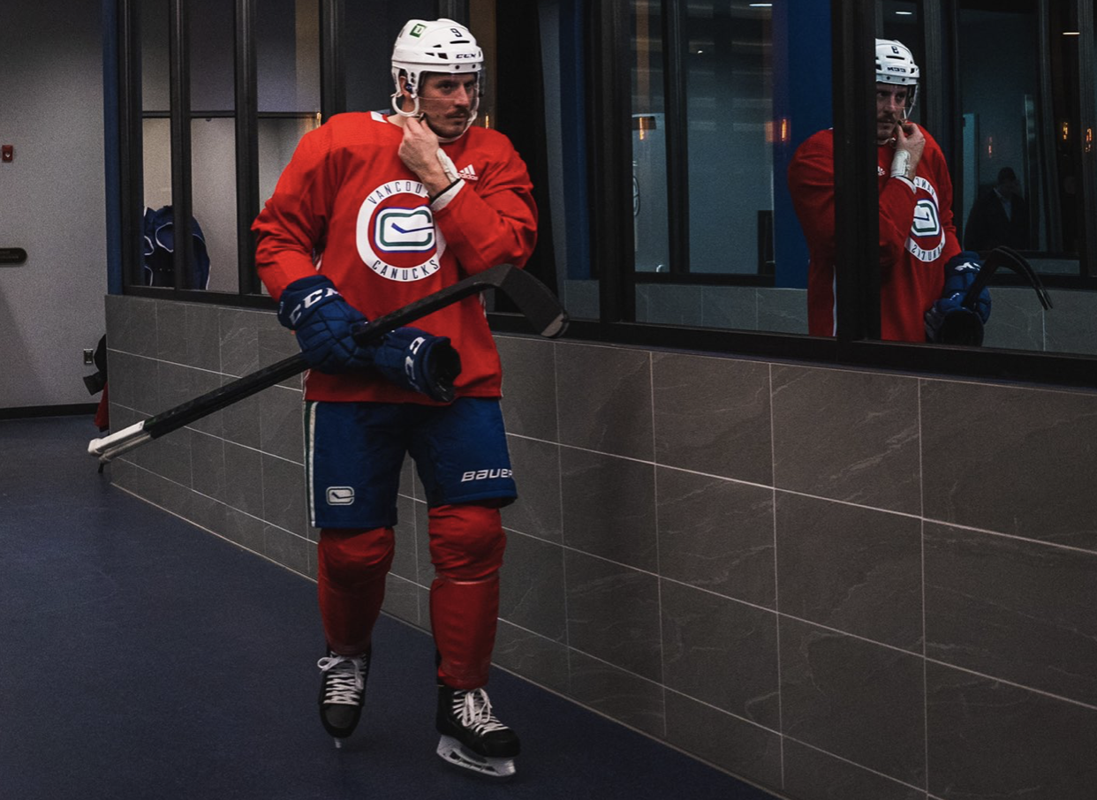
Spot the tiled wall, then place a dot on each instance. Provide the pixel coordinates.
(843, 585)
(1017, 321)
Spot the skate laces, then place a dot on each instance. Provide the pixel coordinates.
(343, 680)
(473, 709)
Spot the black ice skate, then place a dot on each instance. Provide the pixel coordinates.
(341, 692)
(472, 738)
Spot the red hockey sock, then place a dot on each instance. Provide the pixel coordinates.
(351, 574)
(467, 543)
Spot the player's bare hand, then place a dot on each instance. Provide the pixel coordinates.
(909, 137)
(419, 150)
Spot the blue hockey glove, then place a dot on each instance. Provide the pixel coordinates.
(415, 359)
(313, 309)
(949, 321)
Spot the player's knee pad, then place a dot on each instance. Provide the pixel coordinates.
(466, 541)
(350, 557)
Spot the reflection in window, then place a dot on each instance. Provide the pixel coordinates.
(1021, 181)
(703, 167)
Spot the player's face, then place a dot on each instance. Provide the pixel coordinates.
(891, 101)
(447, 102)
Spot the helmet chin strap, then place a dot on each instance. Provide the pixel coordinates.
(397, 106)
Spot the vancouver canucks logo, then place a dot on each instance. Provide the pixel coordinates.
(927, 237)
(396, 234)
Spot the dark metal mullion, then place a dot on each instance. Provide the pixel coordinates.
(677, 140)
(856, 207)
(610, 148)
(1049, 185)
(1087, 152)
(181, 195)
(131, 186)
(247, 145)
(333, 73)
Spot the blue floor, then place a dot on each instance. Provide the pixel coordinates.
(141, 657)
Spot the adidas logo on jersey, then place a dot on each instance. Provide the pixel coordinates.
(468, 174)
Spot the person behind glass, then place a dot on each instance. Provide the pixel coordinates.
(999, 216)
(374, 211)
(923, 272)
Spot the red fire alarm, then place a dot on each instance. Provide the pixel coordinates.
(7, 153)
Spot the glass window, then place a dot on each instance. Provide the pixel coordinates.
(1023, 155)
(717, 243)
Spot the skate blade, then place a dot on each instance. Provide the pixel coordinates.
(457, 755)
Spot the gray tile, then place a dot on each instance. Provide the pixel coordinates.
(529, 386)
(284, 494)
(712, 415)
(244, 479)
(617, 694)
(207, 513)
(538, 511)
(613, 613)
(287, 549)
(730, 307)
(131, 325)
(1011, 460)
(239, 338)
(404, 557)
(241, 420)
(855, 569)
(402, 599)
(144, 386)
(208, 465)
(532, 586)
(611, 413)
(171, 331)
(1016, 610)
(535, 658)
(743, 749)
(717, 535)
(203, 336)
(203, 382)
(721, 652)
(855, 699)
(847, 435)
(815, 774)
(281, 430)
(275, 344)
(609, 507)
(1072, 323)
(170, 456)
(425, 567)
(989, 740)
(245, 530)
(669, 304)
(174, 384)
(1016, 320)
(782, 310)
(122, 390)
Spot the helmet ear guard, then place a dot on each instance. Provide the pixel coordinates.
(423, 46)
(895, 65)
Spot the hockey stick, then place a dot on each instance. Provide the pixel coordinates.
(533, 299)
(1003, 256)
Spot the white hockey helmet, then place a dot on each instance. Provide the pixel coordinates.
(439, 45)
(895, 65)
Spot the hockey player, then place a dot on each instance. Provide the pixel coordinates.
(373, 212)
(923, 273)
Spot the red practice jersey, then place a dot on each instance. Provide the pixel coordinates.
(917, 237)
(347, 206)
